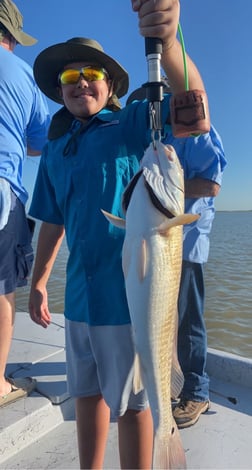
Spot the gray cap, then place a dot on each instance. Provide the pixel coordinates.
(12, 20)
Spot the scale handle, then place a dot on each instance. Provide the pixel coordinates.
(154, 86)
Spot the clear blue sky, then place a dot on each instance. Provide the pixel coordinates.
(217, 37)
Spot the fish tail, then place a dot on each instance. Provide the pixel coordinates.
(169, 453)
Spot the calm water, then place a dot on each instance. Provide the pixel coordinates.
(228, 279)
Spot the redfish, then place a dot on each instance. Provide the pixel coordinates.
(151, 261)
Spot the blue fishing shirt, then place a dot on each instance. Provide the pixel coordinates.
(200, 157)
(24, 119)
(79, 176)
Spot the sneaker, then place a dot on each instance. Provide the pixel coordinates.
(187, 412)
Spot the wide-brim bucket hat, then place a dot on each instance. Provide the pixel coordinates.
(12, 20)
(52, 61)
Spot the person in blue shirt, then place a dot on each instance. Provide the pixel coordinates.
(94, 149)
(24, 122)
(203, 161)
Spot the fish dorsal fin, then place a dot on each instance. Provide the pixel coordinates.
(114, 220)
(177, 379)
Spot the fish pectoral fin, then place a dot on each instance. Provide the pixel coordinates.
(137, 380)
(182, 219)
(114, 220)
(143, 261)
(189, 218)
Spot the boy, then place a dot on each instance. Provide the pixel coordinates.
(94, 150)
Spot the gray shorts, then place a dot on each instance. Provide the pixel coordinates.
(16, 253)
(100, 361)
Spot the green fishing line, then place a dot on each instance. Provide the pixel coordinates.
(184, 56)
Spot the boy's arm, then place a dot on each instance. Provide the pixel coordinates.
(49, 242)
(160, 18)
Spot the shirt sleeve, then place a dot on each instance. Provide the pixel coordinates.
(37, 128)
(204, 157)
(44, 204)
(200, 157)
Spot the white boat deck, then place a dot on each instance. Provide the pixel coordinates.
(38, 432)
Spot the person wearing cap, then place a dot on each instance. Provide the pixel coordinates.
(94, 150)
(24, 121)
(203, 161)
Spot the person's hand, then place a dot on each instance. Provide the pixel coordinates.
(38, 307)
(158, 18)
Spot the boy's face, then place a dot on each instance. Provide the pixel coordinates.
(85, 98)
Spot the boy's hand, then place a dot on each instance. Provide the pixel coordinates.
(158, 18)
(38, 307)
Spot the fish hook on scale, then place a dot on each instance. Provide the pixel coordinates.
(154, 86)
(155, 131)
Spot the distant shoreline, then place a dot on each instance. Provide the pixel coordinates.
(233, 210)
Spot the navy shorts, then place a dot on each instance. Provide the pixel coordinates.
(100, 361)
(16, 253)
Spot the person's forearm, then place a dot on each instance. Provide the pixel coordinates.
(199, 187)
(173, 65)
(49, 242)
(33, 153)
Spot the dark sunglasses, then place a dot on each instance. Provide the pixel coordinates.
(89, 73)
